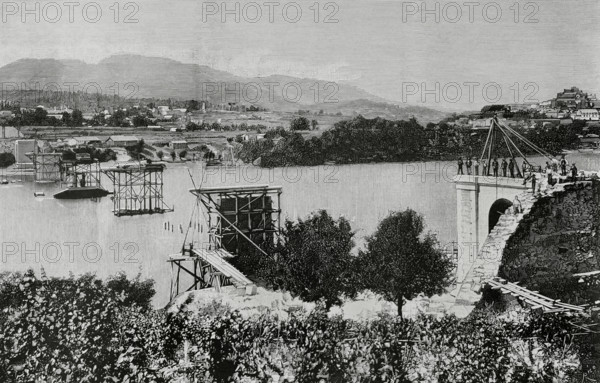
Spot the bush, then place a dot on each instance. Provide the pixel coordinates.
(313, 347)
(68, 330)
(134, 292)
(6, 159)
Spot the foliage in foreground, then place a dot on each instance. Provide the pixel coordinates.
(81, 332)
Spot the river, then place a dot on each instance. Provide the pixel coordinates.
(81, 236)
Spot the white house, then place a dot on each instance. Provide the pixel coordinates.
(586, 114)
(178, 144)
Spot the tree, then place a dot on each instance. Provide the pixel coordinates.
(300, 123)
(140, 120)
(6, 159)
(182, 154)
(402, 262)
(314, 262)
(77, 117)
(314, 124)
(160, 154)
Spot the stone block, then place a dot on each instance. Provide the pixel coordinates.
(251, 290)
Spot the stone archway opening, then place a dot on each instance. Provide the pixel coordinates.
(496, 210)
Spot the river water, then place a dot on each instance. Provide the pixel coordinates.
(81, 236)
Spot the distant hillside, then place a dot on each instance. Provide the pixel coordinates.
(372, 109)
(161, 78)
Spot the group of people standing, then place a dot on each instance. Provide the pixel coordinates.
(528, 171)
(552, 168)
(510, 166)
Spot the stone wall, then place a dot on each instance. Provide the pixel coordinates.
(558, 238)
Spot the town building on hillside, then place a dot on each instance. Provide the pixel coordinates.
(573, 98)
(486, 123)
(163, 109)
(519, 107)
(178, 144)
(586, 114)
(589, 141)
(555, 113)
(121, 141)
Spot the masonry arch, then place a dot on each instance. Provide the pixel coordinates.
(496, 210)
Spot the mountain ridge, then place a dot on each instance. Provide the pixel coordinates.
(163, 78)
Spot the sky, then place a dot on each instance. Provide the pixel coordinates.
(447, 55)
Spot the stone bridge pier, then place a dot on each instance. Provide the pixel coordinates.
(481, 201)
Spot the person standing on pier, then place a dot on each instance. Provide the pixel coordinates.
(476, 166)
(511, 167)
(504, 166)
(574, 172)
(549, 172)
(533, 177)
(563, 165)
(460, 166)
(485, 167)
(524, 168)
(469, 164)
(495, 167)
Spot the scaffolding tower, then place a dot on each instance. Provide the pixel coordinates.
(241, 216)
(82, 172)
(137, 189)
(46, 166)
(239, 219)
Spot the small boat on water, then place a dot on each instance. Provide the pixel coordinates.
(214, 162)
(82, 192)
(4, 181)
(39, 194)
(586, 150)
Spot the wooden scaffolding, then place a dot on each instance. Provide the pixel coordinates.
(46, 166)
(241, 216)
(137, 189)
(80, 172)
(238, 219)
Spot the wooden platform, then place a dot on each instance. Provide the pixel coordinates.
(208, 268)
(532, 298)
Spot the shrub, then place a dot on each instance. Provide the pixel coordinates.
(6, 159)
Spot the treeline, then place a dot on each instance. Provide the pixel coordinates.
(362, 140)
(84, 101)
